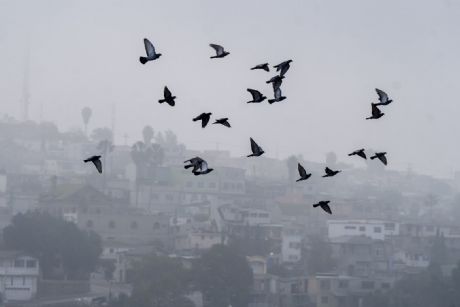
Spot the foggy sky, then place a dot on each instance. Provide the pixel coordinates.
(85, 53)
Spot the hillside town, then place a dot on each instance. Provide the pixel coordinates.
(387, 226)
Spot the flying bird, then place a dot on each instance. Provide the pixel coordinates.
(256, 149)
(204, 117)
(168, 97)
(150, 51)
(276, 81)
(203, 169)
(359, 152)
(383, 98)
(96, 161)
(324, 204)
(283, 67)
(278, 96)
(380, 156)
(330, 173)
(261, 66)
(256, 96)
(302, 172)
(222, 121)
(194, 162)
(220, 52)
(376, 113)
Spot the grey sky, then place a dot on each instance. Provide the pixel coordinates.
(85, 53)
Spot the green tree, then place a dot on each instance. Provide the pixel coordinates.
(159, 282)
(224, 278)
(56, 243)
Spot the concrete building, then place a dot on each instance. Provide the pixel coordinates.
(18, 276)
(374, 229)
(291, 245)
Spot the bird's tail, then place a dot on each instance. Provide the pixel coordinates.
(143, 59)
(253, 68)
(270, 101)
(161, 100)
(372, 158)
(351, 154)
(315, 205)
(251, 155)
(188, 166)
(86, 160)
(196, 173)
(370, 117)
(299, 180)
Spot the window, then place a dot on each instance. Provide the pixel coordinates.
(385, 285)
(134, 225)
(111, 224)
(169, 197)
(89, 223)
(155, 196)
(156, 225)
(350, 227)
(19, 263)
(212, 185)
(389, 226)
(201, 184)
(343, 284)
(324, 300)
(23, 280)
(189, 184)
(378, 229)
(362, 228)
(367, 285)
(31, 263)
(325, 284)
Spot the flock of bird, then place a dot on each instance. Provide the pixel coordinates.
(200, 166)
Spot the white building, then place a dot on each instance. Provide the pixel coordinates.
(199, 240)
(375, 229)
(291, 244)
(18, 276)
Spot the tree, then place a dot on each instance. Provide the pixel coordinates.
(159, 282)
(55, 242)
(224, 277)
(86, 116)
(147, 134)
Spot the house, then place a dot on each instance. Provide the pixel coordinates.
(374, 229)
(19, 274)
(291, 244)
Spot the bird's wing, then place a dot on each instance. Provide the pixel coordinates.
(326, 208)
(255, 94)
(254, 146)
(362, 154)
(205, 120)
(301, 170)
(226, 123)
(328, 171)
(383, 159)
(375, 110)
(219, 49)
(98, 164)
(167, 92)
(203, 166)
(149, 48)
(199, 117)
(383, 97)
(277, 84)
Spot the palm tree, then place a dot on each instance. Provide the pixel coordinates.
(86, 113)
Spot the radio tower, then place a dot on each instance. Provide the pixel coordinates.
(26, 87)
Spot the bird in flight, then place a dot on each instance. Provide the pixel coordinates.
(283, 67)
(381, 156)
(256, 96)
(330, 173)
(222, 121)
(324, 204)
(256, 149)
(150, 51)
(383, 98)
(96, 161)
(302, 172)
(220, 52)
(262, 66)
(168, 97)
(204, 117)
(200, 166)
(276, 81)
(278, 96)
(359, 152)
(376, 113)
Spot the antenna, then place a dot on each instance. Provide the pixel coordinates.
(26, 87)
